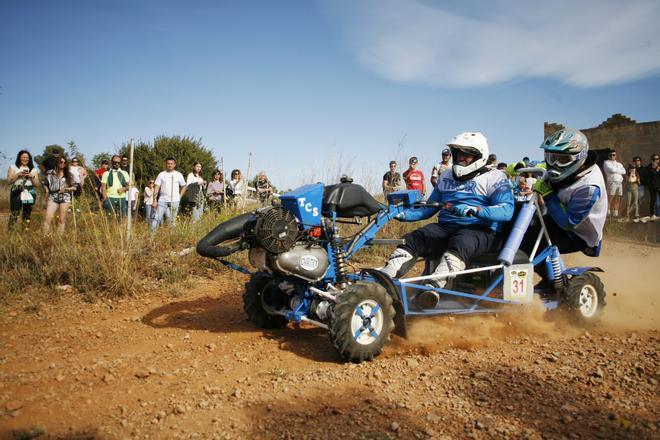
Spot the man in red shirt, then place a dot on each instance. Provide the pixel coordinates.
(414, 178)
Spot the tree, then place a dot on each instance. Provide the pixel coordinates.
(48, 152)
(148, 160)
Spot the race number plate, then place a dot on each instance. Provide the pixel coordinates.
(519, 282)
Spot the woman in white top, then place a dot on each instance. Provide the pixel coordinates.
(23, 177)
(79, 174)
(216, 190)
(148, 200)
(195, 184)
(236, 187)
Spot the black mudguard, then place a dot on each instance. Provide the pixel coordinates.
(400, 324)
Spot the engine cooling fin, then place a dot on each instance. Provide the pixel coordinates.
(276, 229)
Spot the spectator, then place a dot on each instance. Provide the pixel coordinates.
(391, 180)
(114, 185)
(651, 179)
(24, 177)
(169, 187)
(124, 163)
(133, 201)
(492, 161)
(196, 184)
(614, 174)
(79, 174)
(414, 178)
(59, 187)
(216, 190)
(236, 187)
(105, 166)
(502, 166)
(148, 200)
(632, 189)
(264, 188)
(526, 161)
(441, 167)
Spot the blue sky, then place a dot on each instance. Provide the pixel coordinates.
(317, 88)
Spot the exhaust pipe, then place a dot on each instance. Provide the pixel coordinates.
(229, 230)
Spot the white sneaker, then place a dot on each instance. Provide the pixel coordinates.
(654, 218)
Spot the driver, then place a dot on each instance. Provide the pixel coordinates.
(574, 193)
(477, 200)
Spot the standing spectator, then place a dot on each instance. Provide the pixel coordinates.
(441, 167)
(124, 163)
(614, 174)
(132, 199)
(632, 189)
(492, 161)
(59, 187)
(236, 187)
(114, 185)
(23, 177)
(651, 179)
(105, 166)
(169, 187)
(148, 200)
(264, 188)
(79, 174)
(414, 178)
(195, 186)
(391, 180)
(502, 166)
(216, 190)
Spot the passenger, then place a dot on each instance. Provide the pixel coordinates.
(574, 193)
(476, 199)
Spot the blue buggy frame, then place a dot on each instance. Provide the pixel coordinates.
(328, 300)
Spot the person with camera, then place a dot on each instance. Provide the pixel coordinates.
(23, 177)
(59, 187)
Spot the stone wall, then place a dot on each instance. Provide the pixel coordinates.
(628, 137)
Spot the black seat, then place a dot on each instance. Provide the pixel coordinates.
(348, 200)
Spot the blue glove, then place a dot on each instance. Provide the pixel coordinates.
(465, 210)
(401, 216)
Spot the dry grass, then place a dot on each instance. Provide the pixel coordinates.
(97, 260)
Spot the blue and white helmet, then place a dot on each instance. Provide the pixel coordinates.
(565, 152)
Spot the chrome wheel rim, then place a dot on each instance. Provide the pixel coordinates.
(588, 301)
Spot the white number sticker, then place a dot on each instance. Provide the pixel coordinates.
(519, 282)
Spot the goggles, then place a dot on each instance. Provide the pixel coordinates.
(562, 160)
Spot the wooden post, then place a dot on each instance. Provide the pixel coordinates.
(224, 183)
(247, 179)
(130, 190)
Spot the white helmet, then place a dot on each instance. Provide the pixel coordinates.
(470, 143)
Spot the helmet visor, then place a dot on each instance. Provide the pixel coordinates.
(560, 160)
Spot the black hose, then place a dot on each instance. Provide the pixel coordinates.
(229, 230)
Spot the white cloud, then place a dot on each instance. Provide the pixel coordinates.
(583, 43)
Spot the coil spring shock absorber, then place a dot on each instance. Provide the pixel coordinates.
(340, 260)
(555, 261)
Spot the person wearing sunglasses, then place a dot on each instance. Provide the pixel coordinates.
(574, 193)
(114, 185)
(633, 183)
(614, 175)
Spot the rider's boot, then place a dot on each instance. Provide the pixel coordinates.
(429, 298)
(398, 258)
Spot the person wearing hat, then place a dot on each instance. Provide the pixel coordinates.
(414, 178)
(441, 167)
(391, 180)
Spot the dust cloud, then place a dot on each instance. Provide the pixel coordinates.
(631, 281)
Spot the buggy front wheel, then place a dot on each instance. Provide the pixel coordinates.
(363, 319)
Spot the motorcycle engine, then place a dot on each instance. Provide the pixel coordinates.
(307, 261)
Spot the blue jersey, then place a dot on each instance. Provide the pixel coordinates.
(491, 192)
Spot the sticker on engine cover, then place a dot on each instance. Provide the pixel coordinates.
(519, 282)
(309, 262)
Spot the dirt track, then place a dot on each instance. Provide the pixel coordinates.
(193, 367)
